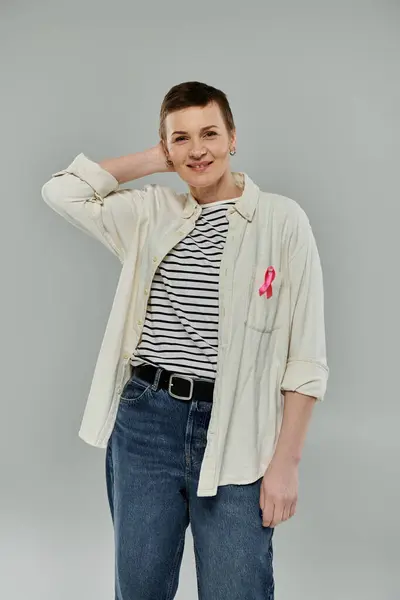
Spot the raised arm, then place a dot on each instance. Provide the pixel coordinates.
(133, 166)
(87, 195)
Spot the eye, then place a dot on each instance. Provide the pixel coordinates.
(211, 133)
(178, 139)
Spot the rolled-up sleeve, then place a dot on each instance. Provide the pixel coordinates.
(306, 371)
(88, 197)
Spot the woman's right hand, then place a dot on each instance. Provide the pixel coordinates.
(160, 159)
(137, 165)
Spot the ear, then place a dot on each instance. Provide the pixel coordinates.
(164, 147)
(233, 138)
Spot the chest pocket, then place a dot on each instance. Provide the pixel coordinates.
(264, 314)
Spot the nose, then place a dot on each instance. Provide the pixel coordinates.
(197, 151)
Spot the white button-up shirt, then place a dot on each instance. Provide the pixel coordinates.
(266, 345)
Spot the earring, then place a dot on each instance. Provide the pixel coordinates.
(232, 152)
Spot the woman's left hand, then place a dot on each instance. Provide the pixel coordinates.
(278, 493)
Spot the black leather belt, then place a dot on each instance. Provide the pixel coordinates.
(181, 387)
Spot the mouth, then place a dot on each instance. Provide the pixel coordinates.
(200, 167)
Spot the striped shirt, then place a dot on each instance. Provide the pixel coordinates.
(180, 331)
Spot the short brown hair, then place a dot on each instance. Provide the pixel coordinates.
(194, 93)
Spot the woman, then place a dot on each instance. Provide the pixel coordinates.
(212, 359)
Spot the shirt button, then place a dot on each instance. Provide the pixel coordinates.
(146, 291)
(140, 322)
(154, 258)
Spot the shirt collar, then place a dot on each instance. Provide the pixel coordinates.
(245, 205)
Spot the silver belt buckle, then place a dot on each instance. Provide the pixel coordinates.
(170, 383)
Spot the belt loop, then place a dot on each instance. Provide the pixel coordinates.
(154, 385)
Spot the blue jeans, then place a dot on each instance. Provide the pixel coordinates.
(153, 461)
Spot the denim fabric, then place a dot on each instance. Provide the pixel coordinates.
(153, 461)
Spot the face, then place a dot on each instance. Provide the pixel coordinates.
(198, 144)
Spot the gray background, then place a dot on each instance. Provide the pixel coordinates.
(314, 87)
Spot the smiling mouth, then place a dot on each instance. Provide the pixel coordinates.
(200, 167)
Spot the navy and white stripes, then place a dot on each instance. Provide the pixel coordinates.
(180, 332)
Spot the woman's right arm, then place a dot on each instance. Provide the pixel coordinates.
(134, 166)
(87, 195)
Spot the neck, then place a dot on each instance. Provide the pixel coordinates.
(223, 189)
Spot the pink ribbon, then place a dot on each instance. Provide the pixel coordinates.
(267, 285)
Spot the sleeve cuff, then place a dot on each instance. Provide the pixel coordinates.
(306, 377)
(100, 180)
